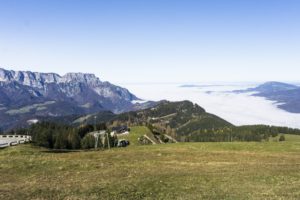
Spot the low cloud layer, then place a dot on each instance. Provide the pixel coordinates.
(239, 109)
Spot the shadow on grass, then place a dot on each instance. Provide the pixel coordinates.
(61, 151)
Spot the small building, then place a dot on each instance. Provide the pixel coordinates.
(120, 129)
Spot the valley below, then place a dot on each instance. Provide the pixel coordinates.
(221, 100)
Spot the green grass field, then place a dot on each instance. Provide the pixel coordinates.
(135, 133)
(288, 138)
(239, 170)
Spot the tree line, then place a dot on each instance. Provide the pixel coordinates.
(57, 136)
(240, 133)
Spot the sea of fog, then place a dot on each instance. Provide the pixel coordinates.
(216, 98)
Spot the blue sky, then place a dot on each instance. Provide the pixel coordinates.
(154, 40)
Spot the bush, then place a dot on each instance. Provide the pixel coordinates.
(281, 138)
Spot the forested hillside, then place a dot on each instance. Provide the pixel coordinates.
(186, 121)
(182, 121)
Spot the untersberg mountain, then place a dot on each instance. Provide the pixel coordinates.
(26, 95)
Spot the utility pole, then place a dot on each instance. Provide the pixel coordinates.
(97, 135)
(96, 141)
(108, 143)
(95, 117)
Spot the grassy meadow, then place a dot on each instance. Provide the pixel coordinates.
(239, 170)
(288, 138)
(135, 133)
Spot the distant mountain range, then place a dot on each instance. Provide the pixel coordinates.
(286, 95)
(25, 95)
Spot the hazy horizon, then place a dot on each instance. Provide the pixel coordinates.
(237, 108)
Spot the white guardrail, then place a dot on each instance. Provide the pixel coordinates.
(12, 140)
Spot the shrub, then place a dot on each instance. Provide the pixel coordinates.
(281, 138)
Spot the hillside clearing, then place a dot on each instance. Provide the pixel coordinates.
(288, 138)
(135, 133)
(267, 170)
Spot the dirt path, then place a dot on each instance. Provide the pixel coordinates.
(169, 137)
(153, 142)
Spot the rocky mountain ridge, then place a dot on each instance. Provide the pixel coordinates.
(25, 95)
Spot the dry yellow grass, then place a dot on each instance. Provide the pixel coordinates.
(174, 171)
